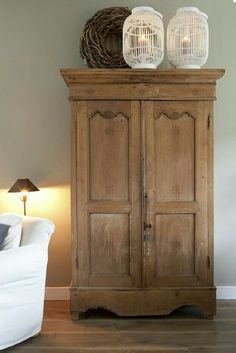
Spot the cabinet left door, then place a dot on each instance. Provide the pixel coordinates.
(106, 194)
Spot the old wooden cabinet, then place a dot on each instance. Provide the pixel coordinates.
(142, 190)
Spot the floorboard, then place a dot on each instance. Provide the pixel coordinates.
(184, 330)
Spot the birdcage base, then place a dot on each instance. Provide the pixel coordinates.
(188, 67)
(144, 66)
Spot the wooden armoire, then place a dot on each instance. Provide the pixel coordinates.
(142, 190)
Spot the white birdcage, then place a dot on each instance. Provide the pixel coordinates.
(143, 38)
(188, 39)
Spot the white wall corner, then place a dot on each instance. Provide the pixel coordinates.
(226, 292)
(57, 293)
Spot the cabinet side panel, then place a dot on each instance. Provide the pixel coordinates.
(73, 190)
(211, 192)
(81, 266)
(202, 184)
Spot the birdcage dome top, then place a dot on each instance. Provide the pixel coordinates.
(146, 9)
(191, 9)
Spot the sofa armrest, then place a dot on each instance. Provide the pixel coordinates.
(37, 231)
(22, 264)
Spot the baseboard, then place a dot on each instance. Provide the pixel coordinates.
(63, 293)
(57, 293)
(226, 292)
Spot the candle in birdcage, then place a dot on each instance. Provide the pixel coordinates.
(143, 40)
(185, 45)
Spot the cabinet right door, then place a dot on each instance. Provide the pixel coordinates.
(177, 153)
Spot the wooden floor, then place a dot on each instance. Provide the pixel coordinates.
(182, 331)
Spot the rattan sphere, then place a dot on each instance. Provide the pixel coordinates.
(104, 23)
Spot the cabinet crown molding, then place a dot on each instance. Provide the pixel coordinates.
(78, 76)
(138, 85)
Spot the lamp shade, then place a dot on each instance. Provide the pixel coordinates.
(23, 185)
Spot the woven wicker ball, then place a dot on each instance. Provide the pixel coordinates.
(105, 23)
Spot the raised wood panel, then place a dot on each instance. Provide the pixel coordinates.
(110, 244)
(109, 152)
(175, 244)
(174, 152)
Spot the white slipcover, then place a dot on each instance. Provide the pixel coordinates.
(22, 283)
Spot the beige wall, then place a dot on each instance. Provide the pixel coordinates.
(37, 38)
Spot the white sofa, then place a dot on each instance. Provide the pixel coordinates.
(22, 283)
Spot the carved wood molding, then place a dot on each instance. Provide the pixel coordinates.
(176, 115)
(108, 114)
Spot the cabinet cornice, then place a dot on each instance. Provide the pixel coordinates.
(128, 84)
(80, 76)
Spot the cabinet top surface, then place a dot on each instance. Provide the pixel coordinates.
(80, 76)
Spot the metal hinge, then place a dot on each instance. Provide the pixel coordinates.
(145, 195)
(208, 262)
(209, 121)
(77, 262)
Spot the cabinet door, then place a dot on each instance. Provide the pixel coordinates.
(108, 189)
(177, 196)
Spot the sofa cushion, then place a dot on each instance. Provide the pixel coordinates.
(13, 237)
(3, 233)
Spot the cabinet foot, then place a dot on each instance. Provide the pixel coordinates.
(209, 316)
(77, 315)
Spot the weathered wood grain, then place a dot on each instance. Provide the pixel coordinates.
(182, 331)
(127, 339)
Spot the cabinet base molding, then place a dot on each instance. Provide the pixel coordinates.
(142, 302)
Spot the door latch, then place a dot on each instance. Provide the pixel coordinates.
(147, 239)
